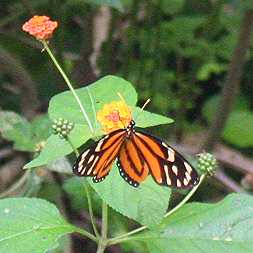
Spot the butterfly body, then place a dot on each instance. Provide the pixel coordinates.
(137, 155)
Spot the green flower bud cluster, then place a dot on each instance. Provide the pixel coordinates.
(207, 163)
(62, 127)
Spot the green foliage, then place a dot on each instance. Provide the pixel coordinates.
(25, 135)
(146, 204)
(30, 225)
(239, 128)
(224, 227)
(93, 98)
(57, 147)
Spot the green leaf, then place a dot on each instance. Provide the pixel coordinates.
(41, 128)
(225, 227)
(30, 225)
(172, 6)
(75, 187)
(209, 68)
(239, 129)
(146, 204)
(210, 107)
(147, 119)
(92, 97)
(56, 147)
(8, 119)
(21, 134)
(111, 3)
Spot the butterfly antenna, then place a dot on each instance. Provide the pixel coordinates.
(145, 104)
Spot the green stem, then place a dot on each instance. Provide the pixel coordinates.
(91, 210)
(87, 193)
(125, 237)
(103, 240)
(68, 83)
(86, 234)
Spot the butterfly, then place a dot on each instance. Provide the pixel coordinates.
(137, 155)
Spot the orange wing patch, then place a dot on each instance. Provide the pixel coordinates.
(132, 166)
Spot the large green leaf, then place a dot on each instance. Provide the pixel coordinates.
(196, 228)
(92, 97)
(21, 135)
(146, 204)
(239, 129)
(30, 225)
(56, 147)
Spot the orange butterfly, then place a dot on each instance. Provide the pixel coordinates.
(138, 154)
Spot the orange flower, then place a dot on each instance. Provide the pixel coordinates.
(41, 27)
(114, 116)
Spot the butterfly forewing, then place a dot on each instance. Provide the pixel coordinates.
(166, 165)
(97, 161)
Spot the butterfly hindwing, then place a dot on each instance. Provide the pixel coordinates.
(97, 161)
(166, 165)
(131, 164)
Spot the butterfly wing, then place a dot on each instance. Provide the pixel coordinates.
(165, 164)
(131, 164)
(97, 160)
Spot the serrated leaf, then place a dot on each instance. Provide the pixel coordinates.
(30, 225)
(148, 119)
(56, 147)
(94, 96)
(225, 227)
(146, 204)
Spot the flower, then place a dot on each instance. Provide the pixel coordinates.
(114, 116)
(41, 27)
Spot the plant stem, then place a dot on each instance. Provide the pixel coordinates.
(91, 210)
(87, 193)
(125, 237)
(69, 84)
(103, 240)
(86, 234)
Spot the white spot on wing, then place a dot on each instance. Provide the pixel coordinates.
(185, 181)
(171, 155)
(98, 147)
(187, 175)
(92, 166)
(166, 169)
(188, 167)
(91, 158)
(175, 169)
(178, 183)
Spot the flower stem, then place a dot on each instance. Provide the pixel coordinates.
(91, 210)
(103, 240)
(125, 237)
(87, 193)
(46, 47)
(86, 234)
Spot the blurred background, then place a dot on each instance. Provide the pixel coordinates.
(193, 59)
